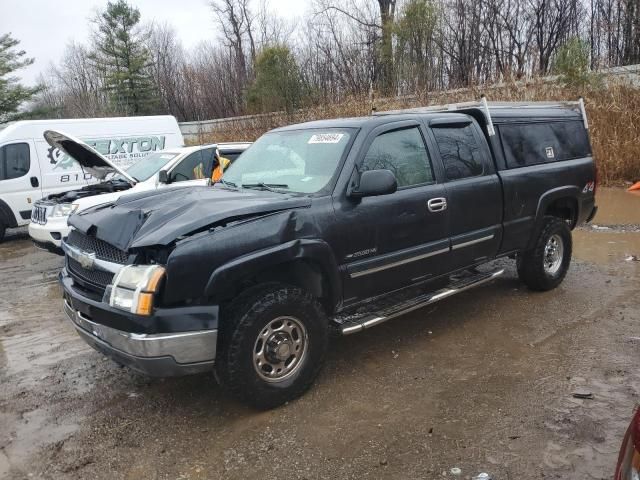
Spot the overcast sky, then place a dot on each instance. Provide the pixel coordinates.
(44, 27)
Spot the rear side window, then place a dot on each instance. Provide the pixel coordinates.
(535, 143)
(14, 161)
(459, 151)
(404, 153)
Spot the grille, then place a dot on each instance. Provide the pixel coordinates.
(102, 249)
(97, 279)
(39, 214)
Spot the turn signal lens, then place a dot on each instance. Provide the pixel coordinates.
(145, 304)
(154, 279)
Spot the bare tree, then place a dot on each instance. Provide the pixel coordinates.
(343, 48)
(234, 21)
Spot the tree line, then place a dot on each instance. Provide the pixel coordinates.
(262, 62)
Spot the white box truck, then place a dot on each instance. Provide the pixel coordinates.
(31, 169)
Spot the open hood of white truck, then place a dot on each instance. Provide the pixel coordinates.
(91, 161)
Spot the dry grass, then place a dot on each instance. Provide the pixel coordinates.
(613, 112)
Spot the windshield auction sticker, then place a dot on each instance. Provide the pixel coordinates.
(326, 138)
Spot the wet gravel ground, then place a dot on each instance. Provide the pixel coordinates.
(482, 382)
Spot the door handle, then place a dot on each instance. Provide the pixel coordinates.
(437, 204)
(34, 182)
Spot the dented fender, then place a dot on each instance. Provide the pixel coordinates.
(205, 267)
(317, 252)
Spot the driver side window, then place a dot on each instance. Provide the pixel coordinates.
(403, 153)
(14, 161)
(195, 167)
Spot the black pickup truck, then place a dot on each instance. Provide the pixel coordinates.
(336, 224)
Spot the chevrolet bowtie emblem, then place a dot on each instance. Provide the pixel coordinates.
(85, 259)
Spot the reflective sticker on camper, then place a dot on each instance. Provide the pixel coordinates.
(550, 152)
(326, 138)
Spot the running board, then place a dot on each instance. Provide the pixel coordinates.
(350, 325)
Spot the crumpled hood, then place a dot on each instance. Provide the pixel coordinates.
(162, 216)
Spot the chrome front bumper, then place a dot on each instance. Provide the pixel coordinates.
(159, 355)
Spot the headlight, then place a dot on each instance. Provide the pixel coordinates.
(64, 209)
(134, 286)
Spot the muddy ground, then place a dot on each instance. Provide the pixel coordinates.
(482, 382)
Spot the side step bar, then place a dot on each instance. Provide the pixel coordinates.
(350, 326)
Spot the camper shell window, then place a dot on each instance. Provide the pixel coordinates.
(527, 144)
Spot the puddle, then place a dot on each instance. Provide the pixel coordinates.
(35, 430)
(4, 464)
(30, 356)
(606, 247)
(616, 206)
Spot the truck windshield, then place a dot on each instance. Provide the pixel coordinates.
(149, 165)
(299, 161)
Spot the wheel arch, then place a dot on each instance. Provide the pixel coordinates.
(7, 216)
(308, 264)
(561, 202)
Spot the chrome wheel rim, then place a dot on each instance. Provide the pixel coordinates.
(553, 253)
(280, 348)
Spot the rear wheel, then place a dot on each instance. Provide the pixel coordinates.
(273, 344)
(545, 265)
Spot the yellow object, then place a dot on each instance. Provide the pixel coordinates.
(198, 171)
(223, 163)
(145, 304)
(145, 299)
(154, 281)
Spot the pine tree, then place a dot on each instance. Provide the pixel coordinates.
(12, 94)
(120, 52)
(277, 85)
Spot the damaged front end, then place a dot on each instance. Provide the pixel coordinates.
(116, 307)
(133, 286)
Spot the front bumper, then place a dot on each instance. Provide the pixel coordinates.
(51, 233)
(156, 354)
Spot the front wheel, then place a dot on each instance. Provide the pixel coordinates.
(273, 344)
(545, 265)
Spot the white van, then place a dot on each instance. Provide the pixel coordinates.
(180, 167)
(31, 169)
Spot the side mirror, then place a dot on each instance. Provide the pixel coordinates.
(163, 176)
(375, 182)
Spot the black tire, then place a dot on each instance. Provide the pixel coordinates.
(3, 229)
(255, 312)
(536, 268)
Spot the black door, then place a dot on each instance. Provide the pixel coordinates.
(393, 240)
(473, 191)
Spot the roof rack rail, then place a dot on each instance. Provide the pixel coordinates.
(486, 107)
